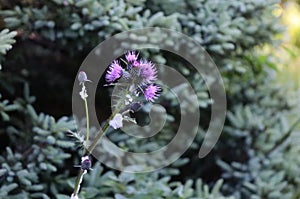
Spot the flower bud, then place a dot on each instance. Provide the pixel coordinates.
(82, 77)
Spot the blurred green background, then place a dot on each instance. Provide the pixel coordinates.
(289, 50)
(255, 45)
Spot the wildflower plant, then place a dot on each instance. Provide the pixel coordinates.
(134, 80)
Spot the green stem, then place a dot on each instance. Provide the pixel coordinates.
(103, 130)
(78, 181)
(89, 149)
(87, 126)
(106, 125)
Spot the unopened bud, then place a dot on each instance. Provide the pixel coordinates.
(86, 163)
(82, 77)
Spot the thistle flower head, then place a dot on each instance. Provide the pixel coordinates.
(138, 76)
(114, 72)
(148, 71)
(152, 92)
(131, 57)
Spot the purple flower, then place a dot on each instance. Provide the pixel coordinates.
(131, 57)
(114, 72)
(152, 92)
(148, 71)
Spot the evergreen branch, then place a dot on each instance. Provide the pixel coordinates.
(284, 138)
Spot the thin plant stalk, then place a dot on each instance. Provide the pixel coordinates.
(89, 149)
(103, 130)
(78, 182)
(87, 127)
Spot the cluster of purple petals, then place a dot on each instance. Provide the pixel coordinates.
(131, 58)
(147, 72)
(115, 71)
(152, 92)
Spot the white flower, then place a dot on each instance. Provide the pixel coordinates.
(117, 121)
(83, 93)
